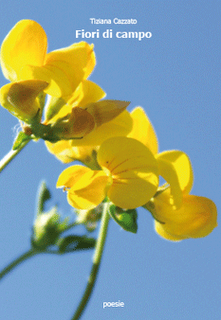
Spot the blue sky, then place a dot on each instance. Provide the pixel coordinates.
(175, 76)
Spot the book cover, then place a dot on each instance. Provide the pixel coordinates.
(163, 56)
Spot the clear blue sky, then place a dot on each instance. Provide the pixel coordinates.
(175, 76)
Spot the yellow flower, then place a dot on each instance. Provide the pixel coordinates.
(76, 125)
(82, 121)
(143, 130)
(66, 153)
(174, 165)
(62, 74)
(129, 176)
(178, 215)
(83, 149)
(24, 56)
(196, 218)
(20, 98)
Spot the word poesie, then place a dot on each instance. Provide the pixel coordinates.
(113, 304)
(108, 34)
(115, 21)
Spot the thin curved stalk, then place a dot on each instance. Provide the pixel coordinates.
(11, 155)
(96, 263)
(27, 255)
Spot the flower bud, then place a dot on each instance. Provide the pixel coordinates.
(75, 125)
(47, 228)
(19, 98)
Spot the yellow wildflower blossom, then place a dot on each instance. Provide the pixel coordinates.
(73, 109)
(62, 73)
(24, 56)
(174, 165)
(196, 218)
(129, 176)
(178, 214)
(82, 149)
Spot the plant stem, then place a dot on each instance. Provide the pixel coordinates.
(28, 254)
(11, 155)
(96, 263)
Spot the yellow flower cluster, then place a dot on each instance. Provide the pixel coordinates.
(119, 149)
(131, 167)
(73, 109)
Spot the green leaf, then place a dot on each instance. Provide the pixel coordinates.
(21, 137)
(127, 219)
(73, 243)
(43, 196)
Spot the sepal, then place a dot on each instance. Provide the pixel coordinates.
(127, 219)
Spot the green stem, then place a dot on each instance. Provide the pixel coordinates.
(11, 155)
(28, 254)
(96, 263)
(72, 225)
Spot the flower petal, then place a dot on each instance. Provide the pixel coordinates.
(143, 130)
(89, 192)
(120, 126)
(195, 219)
(77, 125)
(19, 98)
(59, 83)
(66, 153)
(61, 149)
(87, 92)
(87, 187)
(25, 44)
(133, 169)
(71, 175)
(69, 66)
(175, 167)
(106, 110)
